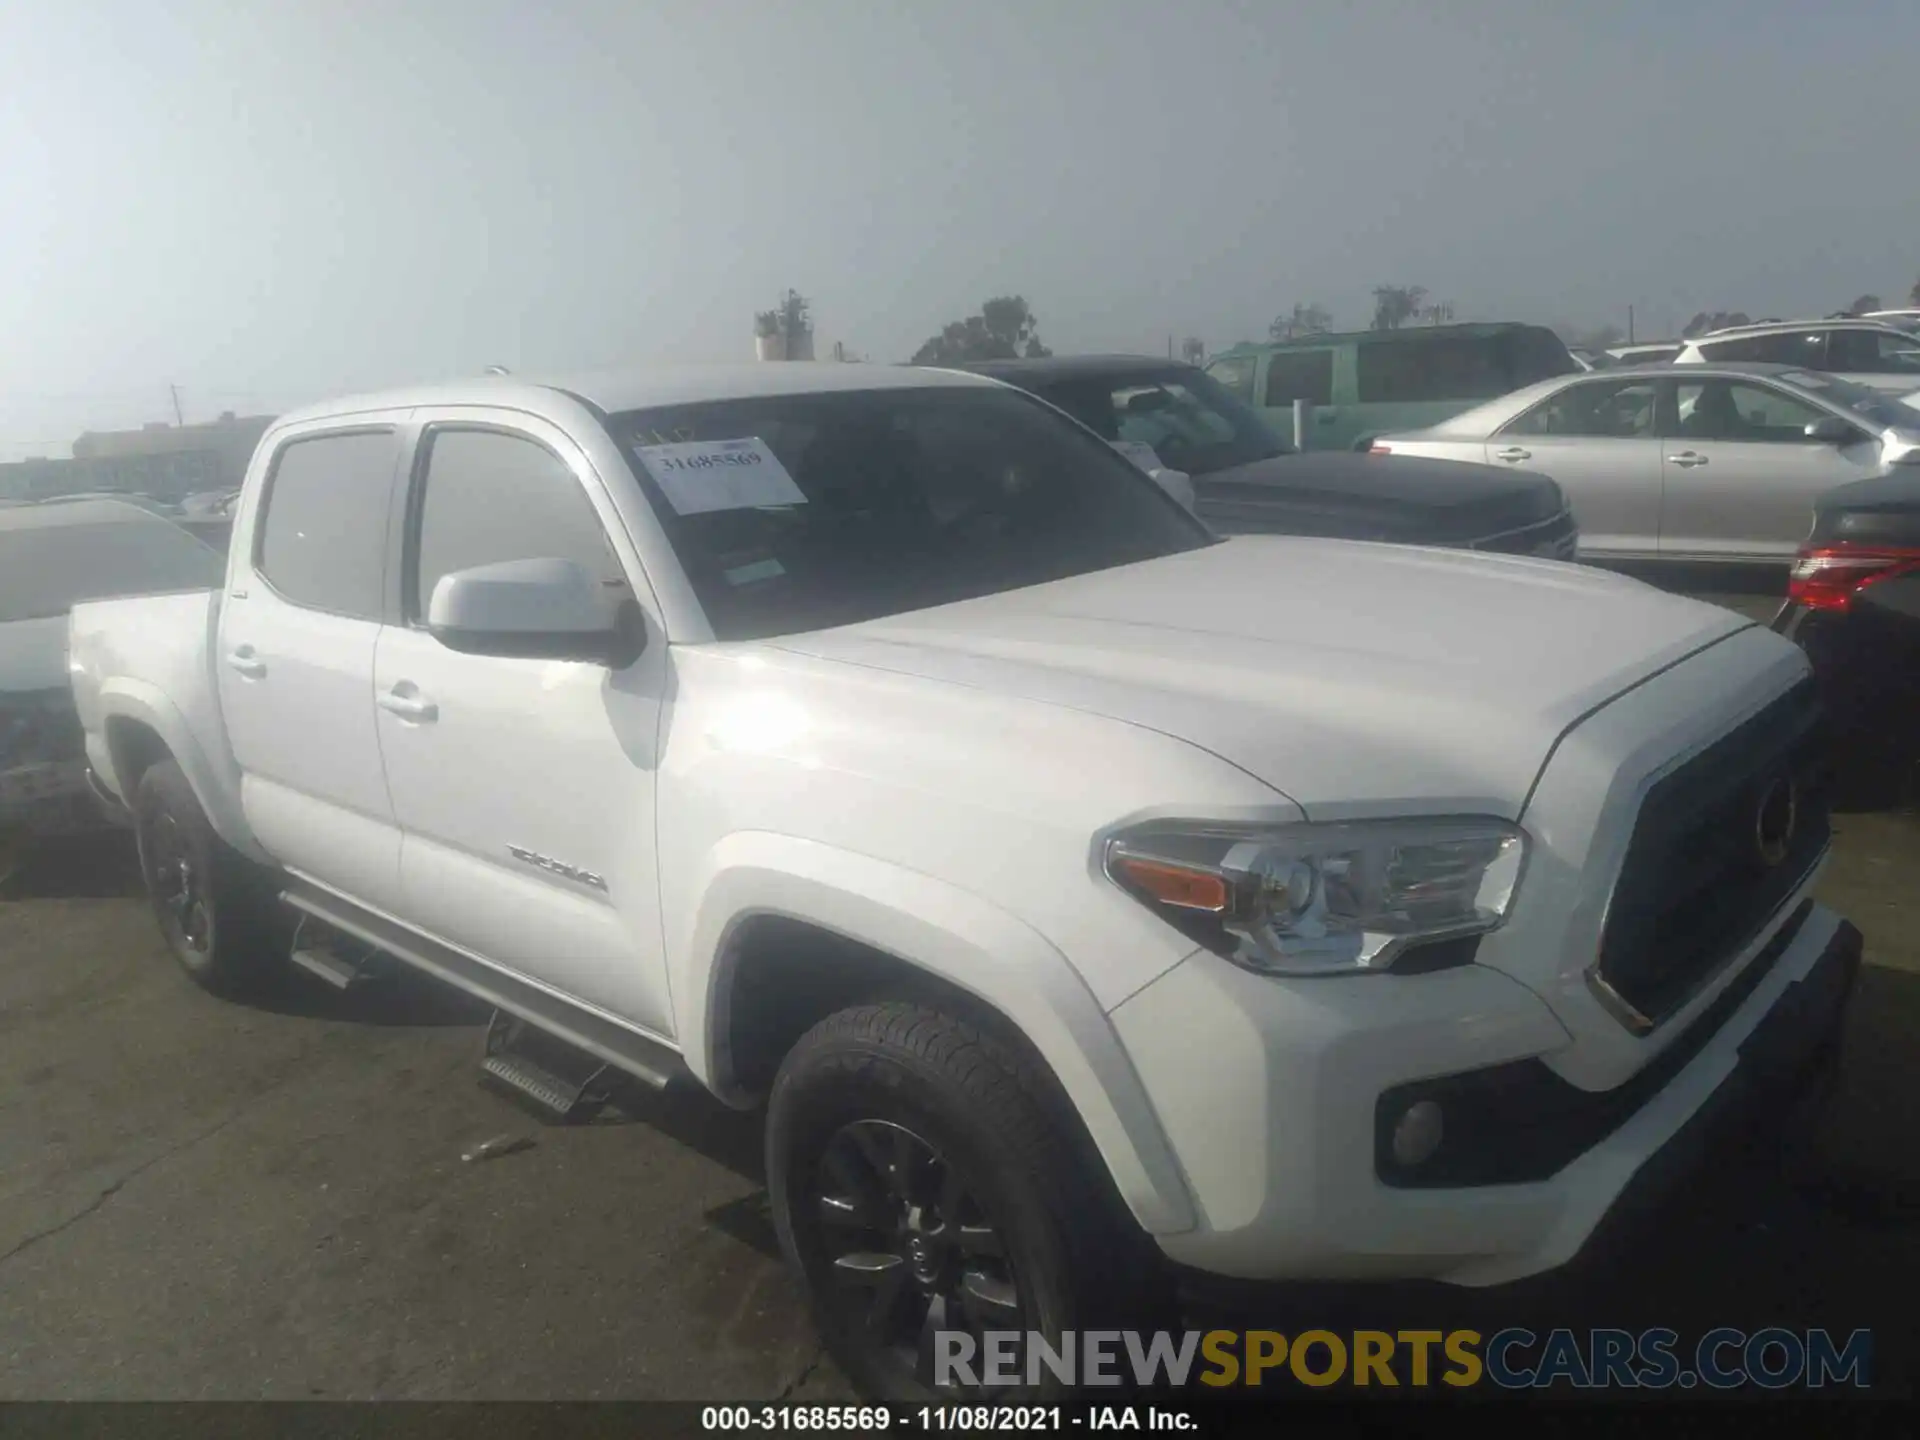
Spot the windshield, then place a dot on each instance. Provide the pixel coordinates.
(830, 509)
(1874, 406)
(1192, 421)
(46, 569)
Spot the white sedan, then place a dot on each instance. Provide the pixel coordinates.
(1706, 462)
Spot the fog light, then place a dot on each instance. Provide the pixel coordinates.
(1416, 1135)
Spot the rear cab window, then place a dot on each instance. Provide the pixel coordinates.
(321, 540)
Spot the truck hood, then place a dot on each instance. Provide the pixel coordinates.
(33, 654)
(1343, 494)
(1350, 677)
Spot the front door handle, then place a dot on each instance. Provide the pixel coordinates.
(1687, 459)
(1513, 454)
(242, 659)
(414, 708)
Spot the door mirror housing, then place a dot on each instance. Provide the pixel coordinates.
(1832, 430)
(546, 609)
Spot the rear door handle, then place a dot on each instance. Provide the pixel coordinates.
(242, 659)
(1687, 459)
(416, 709)
(1512, 454)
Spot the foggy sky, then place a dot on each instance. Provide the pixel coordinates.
(269, 201)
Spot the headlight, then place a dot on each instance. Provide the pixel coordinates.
(1330, 899)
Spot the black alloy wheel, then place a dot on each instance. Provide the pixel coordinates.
(913, 1250)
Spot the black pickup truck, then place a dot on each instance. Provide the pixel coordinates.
(1247, 480)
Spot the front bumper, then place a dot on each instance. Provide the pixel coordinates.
(1267, 1089)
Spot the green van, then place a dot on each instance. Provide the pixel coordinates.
(1375, 381)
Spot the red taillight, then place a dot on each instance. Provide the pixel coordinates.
(1827, 577)
(1376, 448)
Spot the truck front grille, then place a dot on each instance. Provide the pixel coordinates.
(1720, 845)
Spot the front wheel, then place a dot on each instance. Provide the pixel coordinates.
(215, 912)
(930, 1202)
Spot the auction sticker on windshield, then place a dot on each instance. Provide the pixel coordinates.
(699, 476)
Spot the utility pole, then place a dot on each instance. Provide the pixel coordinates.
(174, 390)
(1629, 324)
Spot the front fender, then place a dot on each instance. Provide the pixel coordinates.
(214, 778)
(950, 934)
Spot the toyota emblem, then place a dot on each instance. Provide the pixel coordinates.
(1775, 819)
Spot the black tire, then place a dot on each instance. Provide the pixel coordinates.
(894, 1123)
(216, 913)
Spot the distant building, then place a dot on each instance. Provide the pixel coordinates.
(162, 462)
(230, 439)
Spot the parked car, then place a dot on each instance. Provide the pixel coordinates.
(1853, 604)
(52, 554)
(1247, 480)
(1706, 463)
(1079, 891)
(1377, 380)
(1905, 319)
(1868, 352)
(1655, 353)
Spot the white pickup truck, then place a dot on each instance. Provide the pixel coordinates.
(1088, 899)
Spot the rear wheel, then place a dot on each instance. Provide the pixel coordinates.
(216, 913)
(924, 1193)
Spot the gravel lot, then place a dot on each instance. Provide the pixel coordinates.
(200, 1200)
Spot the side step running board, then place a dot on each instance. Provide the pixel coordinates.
(605, 1039)
(340, 960)
(556, 1078)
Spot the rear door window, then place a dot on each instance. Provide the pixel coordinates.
(1874, 352)
(1734, 410)
(323, 538)
(1418, 368)
(1786, 347)
(1299, 375)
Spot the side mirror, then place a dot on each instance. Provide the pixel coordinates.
(536, 610)
(1176, 483)
(1831, 430)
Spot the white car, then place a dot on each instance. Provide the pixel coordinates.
(1867, 352)
(1905, 319)
(1080, 893)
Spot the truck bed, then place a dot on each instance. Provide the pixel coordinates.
(147, 663)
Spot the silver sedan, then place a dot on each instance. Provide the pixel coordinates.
(1710, 462)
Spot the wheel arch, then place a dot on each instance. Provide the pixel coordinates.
(140, 726)
(885, 921)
